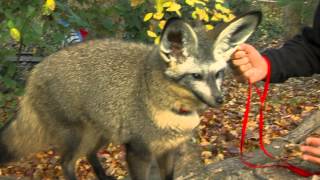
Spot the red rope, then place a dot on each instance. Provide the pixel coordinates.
(263, 97)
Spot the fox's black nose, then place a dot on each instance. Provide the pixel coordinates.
(219, 100)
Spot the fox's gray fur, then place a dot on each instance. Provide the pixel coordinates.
(143, 96)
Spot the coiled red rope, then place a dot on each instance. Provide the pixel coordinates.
(263, 96)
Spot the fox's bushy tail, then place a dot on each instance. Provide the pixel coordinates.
(23, 135)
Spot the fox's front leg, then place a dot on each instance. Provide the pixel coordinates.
(139, 161)
(166, 164)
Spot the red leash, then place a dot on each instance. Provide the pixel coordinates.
(263, 96)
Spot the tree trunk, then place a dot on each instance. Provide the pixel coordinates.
(292, 18)
(310, 9)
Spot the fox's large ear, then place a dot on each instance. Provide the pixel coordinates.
(177, 39)
(234, 34)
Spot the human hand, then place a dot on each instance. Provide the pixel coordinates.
(248, 64)
(311, 151)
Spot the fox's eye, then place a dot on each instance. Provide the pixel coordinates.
(197, 76)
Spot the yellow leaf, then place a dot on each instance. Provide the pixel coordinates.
(174, 7)
(135, 3)
(157, 40)
(151, 34)
(218, 6)
(220, 156)
(50, 4)
(15, 34)
(158, 15)
(226, 10)
(167, 4)
(190, 2)
(159, 5)
(231, 17)
(179, 13)
(209, 27)
(206, 154)
(201, 14)
(228, 18)
(48, 7)
(308, 108)
(194, 15)
(162, 24)
(200, 2)
(225, 18)
(147, 17)
(217, 17)
(208, 161)
(193, 2)
(220, 1)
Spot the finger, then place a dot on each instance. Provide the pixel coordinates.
(235, 68)
(231, 65)
(248, 73)
(245, 67)
(239, 54)
(241, 47)
(314, 141)
(246, 47)
(310, 149)
(311, 158)
(241, 61)
(238, 75)
(251, 75)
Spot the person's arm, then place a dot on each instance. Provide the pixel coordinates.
(299, 56)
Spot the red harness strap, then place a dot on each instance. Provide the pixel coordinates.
(263, 96)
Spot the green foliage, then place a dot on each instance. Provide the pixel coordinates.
(10, 89)
(240, 6)
(104, 20)
(25, 19)
(210, 13)
(133, 27)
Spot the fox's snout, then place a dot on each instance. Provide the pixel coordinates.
(219, 100)
(213, 102)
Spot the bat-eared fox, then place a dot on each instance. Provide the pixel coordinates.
(146, 97)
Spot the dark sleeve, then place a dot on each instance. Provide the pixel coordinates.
(299, 56)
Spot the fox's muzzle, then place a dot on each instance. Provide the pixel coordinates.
(219, 100)
(210, 101)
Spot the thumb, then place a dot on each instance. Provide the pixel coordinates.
(247, 48)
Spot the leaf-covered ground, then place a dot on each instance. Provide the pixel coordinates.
(219, 130)
(286, 106)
